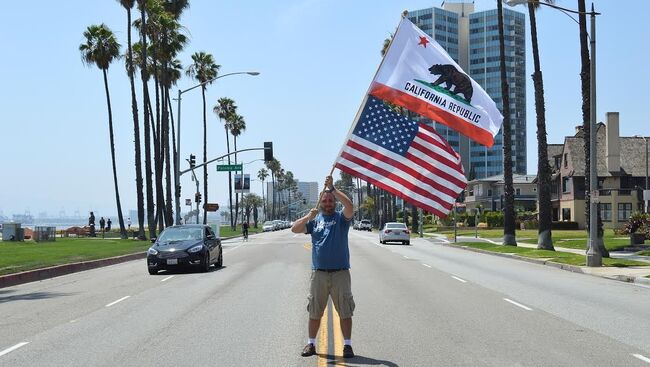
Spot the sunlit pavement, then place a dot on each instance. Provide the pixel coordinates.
(418, 305)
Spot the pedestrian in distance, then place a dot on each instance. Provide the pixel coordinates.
(244, 230)
(330, 254)
(108, 225)
(91, 224)
(102, 225)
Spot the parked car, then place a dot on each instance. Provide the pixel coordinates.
(395, 232)
(365, 225)
(268, 226)
(191, 244)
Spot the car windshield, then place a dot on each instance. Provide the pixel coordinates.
(396, 225)
(181, 234)
(365, 221)
(268, 223)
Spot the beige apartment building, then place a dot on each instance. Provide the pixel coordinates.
(622, 166)
(488, 193)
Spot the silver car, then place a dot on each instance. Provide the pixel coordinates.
(395, 232)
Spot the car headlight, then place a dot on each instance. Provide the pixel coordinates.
(152, 251)
(196, 248)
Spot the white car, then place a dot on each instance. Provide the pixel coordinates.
(268, 226)
(395, 232)
(365, 225)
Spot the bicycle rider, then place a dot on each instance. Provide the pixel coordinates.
(244, 229)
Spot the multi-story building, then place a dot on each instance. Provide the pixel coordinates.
(472, 40)
(308, 190)
(488, 193)
(622, 167)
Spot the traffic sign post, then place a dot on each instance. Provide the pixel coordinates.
(211, 207)
(230, 167)
(188, 202)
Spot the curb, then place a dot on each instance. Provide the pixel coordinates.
(55, 271)
(572, 268)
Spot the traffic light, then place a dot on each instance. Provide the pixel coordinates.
(304, 201)
(197, 197)
(268, 151)
(192, 160)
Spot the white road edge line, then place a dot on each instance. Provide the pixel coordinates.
(518, 304)
(119, 300)
(11, 349)
(404, 256)
(459, 279)
(428, 266)
(166, 279)
(644, 359)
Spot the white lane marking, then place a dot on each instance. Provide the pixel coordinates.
(11, 349)
(644, 359)
(166, 279)
(428, 266)
(518, 304)
(73, 321)
(119, 300)
(295, 235)
(404, 256)
(459, 279)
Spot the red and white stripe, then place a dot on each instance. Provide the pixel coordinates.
(430, 175)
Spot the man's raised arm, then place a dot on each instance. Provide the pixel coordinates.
(300, 225)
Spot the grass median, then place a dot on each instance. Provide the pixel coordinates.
(554, 256)
(29, 255)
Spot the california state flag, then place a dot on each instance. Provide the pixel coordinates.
(418, 74)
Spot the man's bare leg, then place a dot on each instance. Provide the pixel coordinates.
(346, 328)
(313, 328)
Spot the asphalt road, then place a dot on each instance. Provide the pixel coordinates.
(419, 305)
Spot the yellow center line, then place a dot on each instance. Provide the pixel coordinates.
(321, 349)
(307, 246)
(338, 338)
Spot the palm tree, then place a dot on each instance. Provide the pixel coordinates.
(225, 109)
(237, 126)
(130, 69)
(585, 76)
(144, 76)
(204, 70)
(509, 238)
(544, 240)
(101, 49)
(274, 166)
(262, 174)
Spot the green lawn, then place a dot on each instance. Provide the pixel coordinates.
(644, 253)
(29, 255)
(575, 239)
(554, 256)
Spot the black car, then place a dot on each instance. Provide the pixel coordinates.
(191, 244)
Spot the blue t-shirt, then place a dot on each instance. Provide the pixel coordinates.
(329, 241)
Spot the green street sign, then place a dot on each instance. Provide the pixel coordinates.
(229, 167)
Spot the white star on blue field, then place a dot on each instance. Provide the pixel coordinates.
(380, 125)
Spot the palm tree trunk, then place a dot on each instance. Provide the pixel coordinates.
(585, 75)
(205, 158)
(146, 101)
(136, 133)
(169, 216)
(232, 223)
(110, 131)
(544, 240)
(509, 238)
(274, 194)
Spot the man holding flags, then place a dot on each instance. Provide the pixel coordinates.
(330, 276)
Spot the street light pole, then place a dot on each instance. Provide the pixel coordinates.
(594, 257)
(177, 178)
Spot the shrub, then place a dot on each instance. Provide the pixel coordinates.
(565, 225)
(494, 219)
(638, 221)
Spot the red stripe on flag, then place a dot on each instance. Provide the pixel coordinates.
(404, 168)
(423, 108)
(396, 178)
(395, 191)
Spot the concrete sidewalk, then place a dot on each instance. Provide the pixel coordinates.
(632, 274)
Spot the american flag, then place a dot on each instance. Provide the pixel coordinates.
(404, 157)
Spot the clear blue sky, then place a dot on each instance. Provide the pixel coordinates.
(316, 59)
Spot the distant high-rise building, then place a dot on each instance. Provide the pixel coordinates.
(309, 191)
(472, 40)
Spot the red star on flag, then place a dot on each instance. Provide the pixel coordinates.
(423, 41)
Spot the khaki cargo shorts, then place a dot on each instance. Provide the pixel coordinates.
(337, 285)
